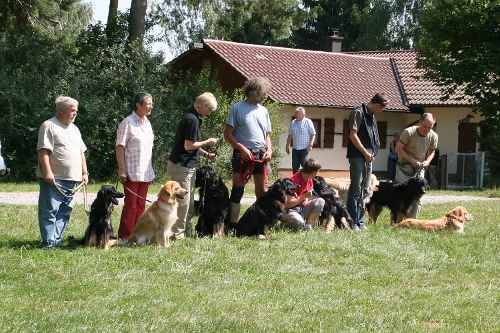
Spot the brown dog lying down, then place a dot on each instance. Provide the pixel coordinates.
(155, 224)
(455, 220)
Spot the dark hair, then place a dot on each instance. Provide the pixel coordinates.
(310, 166)
(139, 98)
(379, 98)
(258, 86)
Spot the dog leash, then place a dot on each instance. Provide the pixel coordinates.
(73, 191)
(125, 188)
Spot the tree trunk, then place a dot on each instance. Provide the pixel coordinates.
(137, 20)
(112, 13)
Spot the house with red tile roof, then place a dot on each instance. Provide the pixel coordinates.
(329, 84)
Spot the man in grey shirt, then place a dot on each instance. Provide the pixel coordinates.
(248, 131)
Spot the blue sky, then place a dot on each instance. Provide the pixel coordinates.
(101, 7)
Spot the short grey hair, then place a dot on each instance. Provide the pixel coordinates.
(428, 116)
(64, 102)
(301, 109)
(208, 99)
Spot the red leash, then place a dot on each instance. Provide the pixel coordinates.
(245, 176)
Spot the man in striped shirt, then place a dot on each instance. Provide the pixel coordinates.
(301, 136)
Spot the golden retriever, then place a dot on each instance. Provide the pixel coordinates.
(455, 220)
(341, 185)
(155, 224)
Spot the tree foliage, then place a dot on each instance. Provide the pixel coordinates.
(460, 50)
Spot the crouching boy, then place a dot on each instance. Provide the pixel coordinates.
(304, 210)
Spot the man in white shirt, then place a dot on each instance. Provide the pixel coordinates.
(301, 136)
(61, 167)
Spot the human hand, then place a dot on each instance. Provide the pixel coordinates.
(85, 178)
(49, 178)
(245, 153)
(368, 157)
(310, 147)
(425, 164)
(212, 141)
(267, 155)
(122, 176)
(287, 149)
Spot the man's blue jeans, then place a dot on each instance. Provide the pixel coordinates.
(360, 173)
(298, 158)
(54, 211)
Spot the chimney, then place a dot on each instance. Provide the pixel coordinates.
(336, 41)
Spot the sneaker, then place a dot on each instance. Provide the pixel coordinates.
(355, 228)
(363, 227)
(307, 227)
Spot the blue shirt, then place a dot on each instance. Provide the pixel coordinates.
(301, 132)
(251, 124)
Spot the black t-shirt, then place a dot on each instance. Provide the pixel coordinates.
(187, 129)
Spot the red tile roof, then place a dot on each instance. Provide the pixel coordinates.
(314, 78)
(418, 90)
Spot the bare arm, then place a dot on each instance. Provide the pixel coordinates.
(403, 155)
(429, 158)
(43, 160)
(311, 142)
(193, 145)
(85, 172)
(120, 160)
(269, 152)
(229, 137)
(353, 136)
(288, 143)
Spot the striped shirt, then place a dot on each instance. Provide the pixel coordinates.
(137, 138)
(301, 132)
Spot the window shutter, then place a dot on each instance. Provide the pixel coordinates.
(345, 133)
(329, 137)
(317, 127)
(382, 133)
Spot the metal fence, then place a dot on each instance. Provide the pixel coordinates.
(462, 170)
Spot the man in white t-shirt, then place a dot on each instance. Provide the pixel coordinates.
(301, 135)
(61, 168)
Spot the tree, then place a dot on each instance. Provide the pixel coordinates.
(323, 17)
(112, 15)
(251, 21)
(460, 51)
(137, 25)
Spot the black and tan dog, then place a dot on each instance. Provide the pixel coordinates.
(100, 229)
(264, 213)
(213, 205)
(398, 197)
(334, 212)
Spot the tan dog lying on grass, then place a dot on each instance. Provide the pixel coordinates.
(155, 224)
(341, 185)
(455, 220)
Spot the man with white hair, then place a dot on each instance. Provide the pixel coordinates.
(416, 148)
(61, 168)
(301, 135)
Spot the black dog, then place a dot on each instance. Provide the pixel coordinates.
(334, 208)
(213, 205)
(264, 213)
(398, 197)
(100, 230)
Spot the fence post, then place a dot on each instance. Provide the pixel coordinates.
(443, 165)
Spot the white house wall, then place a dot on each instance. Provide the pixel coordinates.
(335, 158)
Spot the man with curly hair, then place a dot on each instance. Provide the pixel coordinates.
(248, 131)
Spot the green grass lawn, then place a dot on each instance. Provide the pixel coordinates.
(381, 280)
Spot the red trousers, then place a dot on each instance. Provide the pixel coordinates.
(133, 207)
